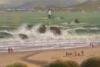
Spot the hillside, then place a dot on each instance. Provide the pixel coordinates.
(41, 3)
(90, 5)
(79, 4)
(86, 5)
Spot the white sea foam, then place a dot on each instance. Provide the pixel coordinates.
(48, 40)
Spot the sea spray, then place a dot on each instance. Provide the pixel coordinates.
(47, 40)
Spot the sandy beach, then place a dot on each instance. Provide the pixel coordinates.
(37, 58)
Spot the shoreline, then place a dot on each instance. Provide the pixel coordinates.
(34, 58)
(49, 49)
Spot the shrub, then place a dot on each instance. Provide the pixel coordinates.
(71, 64)
(63, 64)
(91, 62)
(17, 65)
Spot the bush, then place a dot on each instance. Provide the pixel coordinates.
(17, 65)
(91, 62)
(63, 64)
(71, 64)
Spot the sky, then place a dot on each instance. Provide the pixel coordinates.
(15, 3)
(20, 1)
(4, 1)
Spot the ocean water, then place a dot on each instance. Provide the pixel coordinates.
(71, 37)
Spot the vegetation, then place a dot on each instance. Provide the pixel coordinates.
(17, 65)
(63, 64)
(91, 62)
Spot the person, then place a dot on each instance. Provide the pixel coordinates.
(75, 53)
(82, 52)
(10, 50)
(66, 53)
(49, 13)
(91, 45)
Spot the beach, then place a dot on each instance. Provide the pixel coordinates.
(38, 58)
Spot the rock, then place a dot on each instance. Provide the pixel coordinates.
(29, 27)
(55, 30)
(23, 36)
(76, 21)
(42, 29)
(5, 35)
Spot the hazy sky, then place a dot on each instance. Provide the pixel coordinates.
(4, 1)
(13, 1)
(22, 1)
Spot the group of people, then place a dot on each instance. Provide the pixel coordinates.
(10, 50)
(75, 53)
(78, 53)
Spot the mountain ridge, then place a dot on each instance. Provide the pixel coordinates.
(85, 4)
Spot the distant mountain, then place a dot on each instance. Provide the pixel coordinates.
(89, 5)
(80, 4)
(25, 4)
(50, 3)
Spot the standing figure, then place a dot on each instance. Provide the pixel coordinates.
(49, 13)
(91, 45)
(9, 51)
(82, 52)
(12, 50)
(66, 53)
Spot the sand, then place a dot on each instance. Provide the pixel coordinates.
(33, 59)
(49, 56)
(6, 59)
